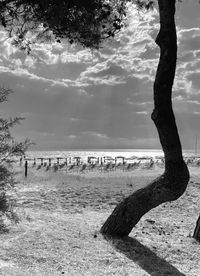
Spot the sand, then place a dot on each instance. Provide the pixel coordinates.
(61, 214)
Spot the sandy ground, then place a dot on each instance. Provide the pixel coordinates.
(61, 214)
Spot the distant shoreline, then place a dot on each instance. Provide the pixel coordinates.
(105, 149)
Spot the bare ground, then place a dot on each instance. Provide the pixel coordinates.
(62, 213)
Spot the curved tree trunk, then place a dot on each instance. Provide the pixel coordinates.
(172, 184)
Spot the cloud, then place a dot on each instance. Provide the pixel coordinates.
(108, 67)
(190, 40)
(122, 57)
(193, 102)
(75, 98)
(188, 60)
(105, 69)
(194, 78)
(142, 112)
(83, 92)
(72, 136)
(95, 134)
(187, 14)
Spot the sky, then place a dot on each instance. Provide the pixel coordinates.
(73, 98)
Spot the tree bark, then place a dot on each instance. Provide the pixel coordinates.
(173, 182)
(196, 234)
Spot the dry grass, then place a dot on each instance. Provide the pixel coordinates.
(62, 213)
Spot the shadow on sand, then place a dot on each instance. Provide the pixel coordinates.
(144, 257)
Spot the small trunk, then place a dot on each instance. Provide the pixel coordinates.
(172, 184)
(196, 234)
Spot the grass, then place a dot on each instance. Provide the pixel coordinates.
(61, 214)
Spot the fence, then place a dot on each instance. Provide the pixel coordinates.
(103, 164)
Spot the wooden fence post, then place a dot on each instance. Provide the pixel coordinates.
(26, 168)
(34, 162)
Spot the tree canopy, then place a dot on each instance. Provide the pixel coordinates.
(84, 22)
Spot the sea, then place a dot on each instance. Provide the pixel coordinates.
(84, 154)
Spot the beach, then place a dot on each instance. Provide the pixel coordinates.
(61, 213)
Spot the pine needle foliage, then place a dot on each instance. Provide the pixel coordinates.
(10, 151)
(87, 23)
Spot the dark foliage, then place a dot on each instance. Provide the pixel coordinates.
(86, 22)
(9, 151)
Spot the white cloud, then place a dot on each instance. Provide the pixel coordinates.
(73, 56)
(100, 98)
(30, 62)
(94, 133)
(142, 112)
(179, 98)
(83, 92)
(74, 119)
(193, 102)
(71, 136)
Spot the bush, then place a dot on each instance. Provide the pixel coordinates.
(10, 150)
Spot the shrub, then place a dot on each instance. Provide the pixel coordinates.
(10, 150)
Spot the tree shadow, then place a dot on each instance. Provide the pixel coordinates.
(144, 257)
